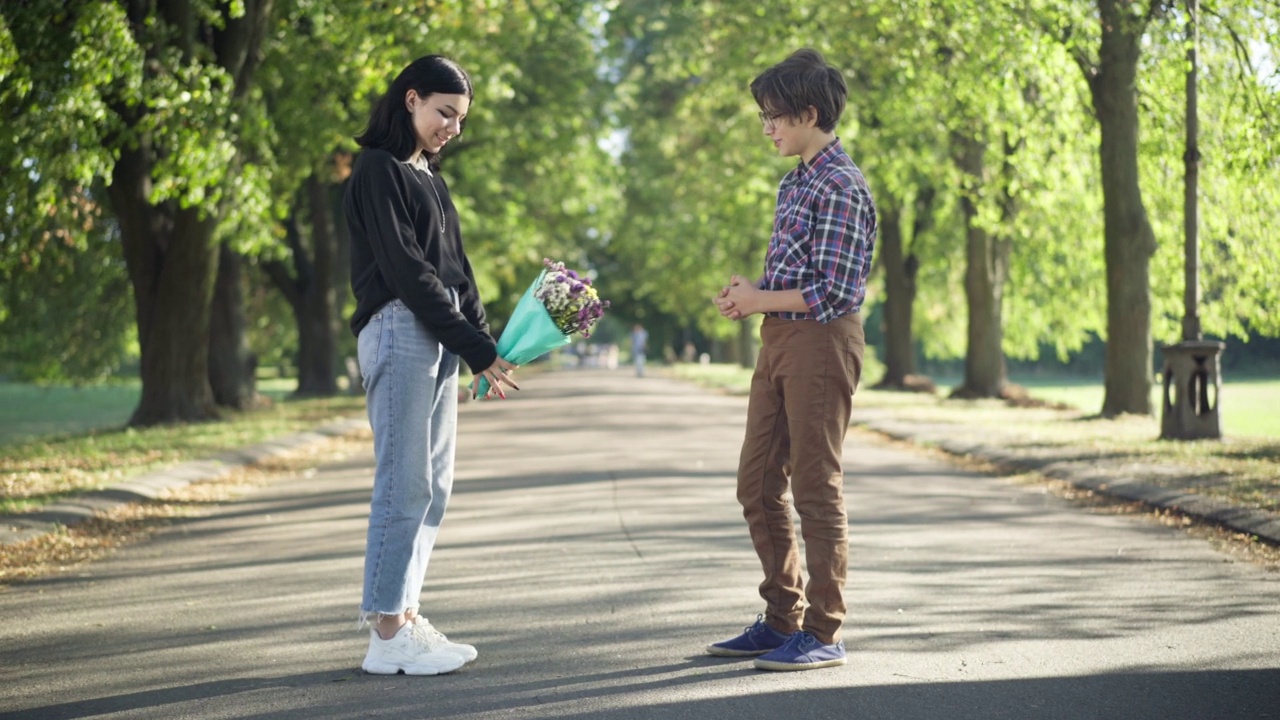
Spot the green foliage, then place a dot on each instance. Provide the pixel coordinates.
(84, 82)
(699, 188)
(65, 308)
(529, 175)
(700, 183)
(621, 138)
(272, 331)
(699, 177)
(1239, 175)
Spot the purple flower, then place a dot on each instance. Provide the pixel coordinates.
(576, 308)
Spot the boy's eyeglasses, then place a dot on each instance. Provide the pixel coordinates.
(770, 120)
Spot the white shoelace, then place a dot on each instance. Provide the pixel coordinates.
(426, 635)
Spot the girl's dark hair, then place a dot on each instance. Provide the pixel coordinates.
(803, 79)
(390, 125)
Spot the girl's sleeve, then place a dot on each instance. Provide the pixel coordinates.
(381, 200)
(469, 302)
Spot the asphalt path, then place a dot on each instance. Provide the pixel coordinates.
(594, 547)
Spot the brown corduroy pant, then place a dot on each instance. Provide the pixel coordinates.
(798, 413)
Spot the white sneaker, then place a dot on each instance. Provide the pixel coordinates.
(413, 650)
(468, 652)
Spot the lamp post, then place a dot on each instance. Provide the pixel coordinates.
(1192, 368)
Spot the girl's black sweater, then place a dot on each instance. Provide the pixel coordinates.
(399, 250)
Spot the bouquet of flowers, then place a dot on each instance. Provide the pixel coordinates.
(558, 304)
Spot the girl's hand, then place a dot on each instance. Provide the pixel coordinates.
(499, 375)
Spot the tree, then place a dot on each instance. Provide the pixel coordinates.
(900, 148)
(529, 173)
(65, 308)
(322, 59)
(1111, 72)
(899, 231)
(700, 182)
(160, 91)
(1130, 241)
(1112, 61)
(310, 286)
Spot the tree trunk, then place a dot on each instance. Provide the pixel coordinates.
(310, 289)
(172, 261)
(231, 365)
(716, 350)
(900, 270)
(340, 278)
(170, 253)
(748, 343)
(1130, 241)
(316, 314)
(987, 266)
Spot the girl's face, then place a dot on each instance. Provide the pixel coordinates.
(437, 118)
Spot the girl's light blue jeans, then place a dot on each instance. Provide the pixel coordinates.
(411, 389)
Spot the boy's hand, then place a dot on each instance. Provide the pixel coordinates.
(733, 300)
(741, 298)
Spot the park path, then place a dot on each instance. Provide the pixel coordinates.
(593, 548)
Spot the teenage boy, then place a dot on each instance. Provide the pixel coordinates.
(810, 360)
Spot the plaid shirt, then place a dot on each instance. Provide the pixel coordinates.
(823, 234)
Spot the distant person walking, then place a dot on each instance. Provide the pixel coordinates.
(417, 312)
(639, 346)
(814, 282)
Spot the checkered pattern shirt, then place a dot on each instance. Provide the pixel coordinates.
(823, 234)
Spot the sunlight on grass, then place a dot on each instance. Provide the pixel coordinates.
(721, 376)
(1249, 407)
(34, 472)
(1244, 468)
(28, 411)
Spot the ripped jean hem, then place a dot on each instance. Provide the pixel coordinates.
(368, 617)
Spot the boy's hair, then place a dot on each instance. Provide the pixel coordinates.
(803, 79)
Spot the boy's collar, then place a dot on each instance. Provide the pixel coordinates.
(824, 156)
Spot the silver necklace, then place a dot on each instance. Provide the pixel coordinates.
(434, 191)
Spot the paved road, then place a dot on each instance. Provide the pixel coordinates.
(593, 547)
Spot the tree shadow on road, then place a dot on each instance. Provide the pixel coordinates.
(697, 688)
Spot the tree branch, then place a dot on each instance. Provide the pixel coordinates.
(238, 44)
(1243, 61)
(279, 275)
(1064, 35)
(292, 285)
(1156, 10)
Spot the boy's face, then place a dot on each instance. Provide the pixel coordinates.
(790, 135)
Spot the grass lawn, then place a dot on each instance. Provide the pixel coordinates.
(1249, 407)
(1243, 468)
(57, 442)
(29, 412)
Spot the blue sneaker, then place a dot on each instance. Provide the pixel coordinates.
(757, 639)
(802, 651)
